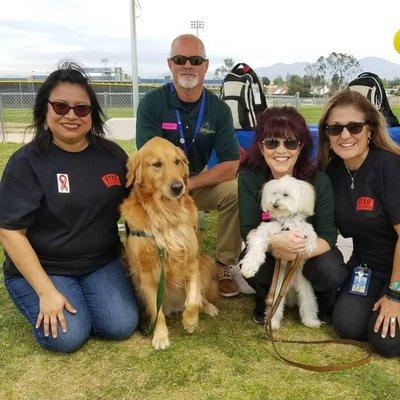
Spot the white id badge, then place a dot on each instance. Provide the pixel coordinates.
(360, 280)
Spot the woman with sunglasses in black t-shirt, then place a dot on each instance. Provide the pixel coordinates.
(364, 166)
(59, 208)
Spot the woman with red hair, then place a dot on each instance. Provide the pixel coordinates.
(282, 146)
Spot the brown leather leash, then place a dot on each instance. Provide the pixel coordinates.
(273, 306)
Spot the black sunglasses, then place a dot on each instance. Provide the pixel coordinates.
(194, 60)
(273, 143)
(352, 127)
(81, 110)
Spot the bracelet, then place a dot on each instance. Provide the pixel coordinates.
(393, 295)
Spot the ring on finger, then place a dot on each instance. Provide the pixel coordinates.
(392, 320)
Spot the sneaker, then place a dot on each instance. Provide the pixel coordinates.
(227, 286)
(258, 318)
(325, 318)
(244, 287)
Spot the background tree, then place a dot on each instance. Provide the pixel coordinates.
(278, 81)
(221, 71)
(265, 81)
(316, 72)
(297, 84)
(338, 68)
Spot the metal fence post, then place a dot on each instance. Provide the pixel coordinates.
(3, 132)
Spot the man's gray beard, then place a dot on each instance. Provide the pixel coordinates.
(188, 83)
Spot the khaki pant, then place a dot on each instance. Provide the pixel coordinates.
(223, 198)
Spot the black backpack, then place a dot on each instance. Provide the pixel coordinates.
(242, 91)
(370, 85)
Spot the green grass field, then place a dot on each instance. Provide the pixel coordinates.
(24, 115)
(228, 357)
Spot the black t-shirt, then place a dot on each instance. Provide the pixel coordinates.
(68, 202)
(368, 212)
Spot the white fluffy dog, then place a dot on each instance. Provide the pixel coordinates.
(289, 202)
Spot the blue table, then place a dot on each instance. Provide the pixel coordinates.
(245, 138)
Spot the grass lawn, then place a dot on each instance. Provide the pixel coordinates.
(227, 358)
(24, 116)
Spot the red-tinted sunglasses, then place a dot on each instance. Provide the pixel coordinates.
(81, 110)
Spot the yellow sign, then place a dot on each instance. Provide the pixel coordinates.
(396, 41)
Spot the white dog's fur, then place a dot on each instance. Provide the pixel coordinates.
(289, 201)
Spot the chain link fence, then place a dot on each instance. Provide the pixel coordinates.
(16, 113)
(16, 110)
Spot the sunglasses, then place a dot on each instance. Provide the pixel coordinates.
(273, 143)
(194, 60)
(352, 127)
(81, 110)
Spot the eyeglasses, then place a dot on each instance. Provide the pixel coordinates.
(81, 110)
(353, 128)
(273, 143)
(194, 60)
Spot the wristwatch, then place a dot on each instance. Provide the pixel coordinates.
(395, 286)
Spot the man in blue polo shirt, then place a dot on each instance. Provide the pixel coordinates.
(193, 118)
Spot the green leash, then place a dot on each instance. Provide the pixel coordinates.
(161, 284)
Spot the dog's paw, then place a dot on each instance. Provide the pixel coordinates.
(190, 320)
(160, 342)
(249, 267)
(210, 309)
(311, 322)
(190, 325)
(275, 324)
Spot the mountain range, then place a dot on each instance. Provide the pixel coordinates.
(383, 68)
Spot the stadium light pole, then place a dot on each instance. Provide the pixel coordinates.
(33, 82)
(197, 24)
(135, 88)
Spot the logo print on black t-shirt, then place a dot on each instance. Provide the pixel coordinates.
(111, 180)
(365, 204)
(63, 183)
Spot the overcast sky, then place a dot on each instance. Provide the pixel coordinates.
(36, 34)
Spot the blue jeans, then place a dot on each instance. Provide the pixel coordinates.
(104, 299)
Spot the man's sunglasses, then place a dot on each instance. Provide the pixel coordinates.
(194, 60)
(353, 127)
(81, 110)
(273, 143)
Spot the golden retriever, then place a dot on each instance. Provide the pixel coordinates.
(159, 206)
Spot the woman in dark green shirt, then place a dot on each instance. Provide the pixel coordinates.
(281, 146)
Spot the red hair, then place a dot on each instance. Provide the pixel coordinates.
(281, 122)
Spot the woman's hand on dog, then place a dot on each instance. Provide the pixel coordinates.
(388, 318)
(51, 311)
(287, 245)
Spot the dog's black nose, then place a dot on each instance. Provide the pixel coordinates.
(176, 187)
(275, 205)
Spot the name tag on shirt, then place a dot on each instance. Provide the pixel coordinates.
(360, 280)
(169, 126)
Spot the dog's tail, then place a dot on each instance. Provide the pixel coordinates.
(209, 283)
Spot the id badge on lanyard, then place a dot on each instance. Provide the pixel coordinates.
(360, 280)
(199, 121)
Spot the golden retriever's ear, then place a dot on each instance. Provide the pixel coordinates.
(185, 165)
(134, 174)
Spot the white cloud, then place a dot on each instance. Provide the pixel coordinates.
(35, 34)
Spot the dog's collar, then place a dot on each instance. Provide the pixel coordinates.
(266, 217)
(142, 234)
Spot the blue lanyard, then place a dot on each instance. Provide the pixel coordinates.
(199, 121)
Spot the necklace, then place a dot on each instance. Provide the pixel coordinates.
(352, 176)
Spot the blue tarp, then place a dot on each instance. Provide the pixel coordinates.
(245, 138)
